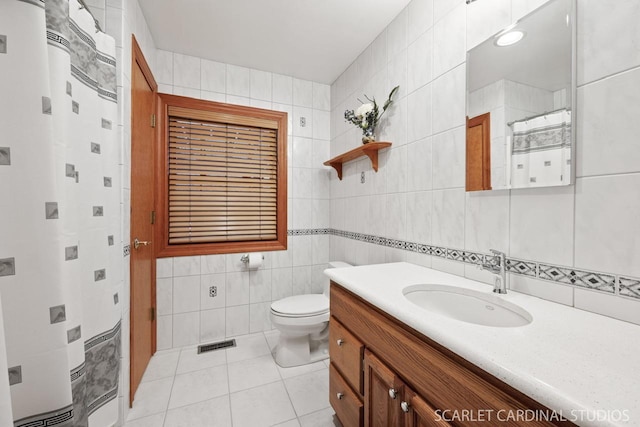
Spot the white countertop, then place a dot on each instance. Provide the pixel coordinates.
(581, 364)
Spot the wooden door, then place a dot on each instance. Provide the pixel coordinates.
(143, 262)
(383, 392)
(418, 413)
(479, 153)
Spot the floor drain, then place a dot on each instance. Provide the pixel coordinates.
(216, 346)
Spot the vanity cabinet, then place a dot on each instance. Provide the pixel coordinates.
(345, 374)
(384, 374)
(390, 402)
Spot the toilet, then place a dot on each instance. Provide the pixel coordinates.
(303, 322)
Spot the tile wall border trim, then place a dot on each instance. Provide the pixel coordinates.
(609, 283)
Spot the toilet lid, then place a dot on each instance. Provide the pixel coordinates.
(301, 305)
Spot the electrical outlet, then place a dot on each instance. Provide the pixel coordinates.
(362, 177)
(213, 291)
(303, 122)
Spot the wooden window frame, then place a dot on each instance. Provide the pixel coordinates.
(163, 248)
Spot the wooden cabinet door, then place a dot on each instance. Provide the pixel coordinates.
(383, 392)
(346, 353)
(418, 413)
(344, 401)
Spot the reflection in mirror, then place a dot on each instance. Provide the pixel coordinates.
(520, 94)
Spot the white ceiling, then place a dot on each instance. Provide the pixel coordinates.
(541, 59)
(312, 40)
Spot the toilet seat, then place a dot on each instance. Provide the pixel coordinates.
(301, 306)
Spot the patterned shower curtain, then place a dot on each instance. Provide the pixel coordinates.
(61, 260)
(541, 150)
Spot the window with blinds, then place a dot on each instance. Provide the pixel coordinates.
(225, 172)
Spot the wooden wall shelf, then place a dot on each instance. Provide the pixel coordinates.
(370, 150)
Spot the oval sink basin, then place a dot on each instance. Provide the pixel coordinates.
(467, 305)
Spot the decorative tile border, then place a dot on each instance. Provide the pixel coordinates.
(597, 281)
(62, 417)
(308, 231)
(629, 287)
(525, 268)
(585, 279)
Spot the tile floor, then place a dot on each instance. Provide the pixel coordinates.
(236, 387)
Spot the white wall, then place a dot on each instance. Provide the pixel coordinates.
(121, 19)
(418, 193)
(187, 314)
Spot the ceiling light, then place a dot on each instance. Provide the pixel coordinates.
(509, 38)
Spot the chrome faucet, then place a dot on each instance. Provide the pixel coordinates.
(498, 266)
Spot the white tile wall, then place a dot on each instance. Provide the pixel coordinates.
(607, 211)
(302, 93)
(486, 214)
(541, 224)
(609, 146)
(244, 297)
(607, 305)
(419, 61)
(186, 71)
(449, 39)
(449, 149)
(423, 50)
(213, 76)
(420, 13)
(418, 191)
(186, 294)
(485, 19)
(120, 20)
(607, 39)
(260, 85)
(547, 290)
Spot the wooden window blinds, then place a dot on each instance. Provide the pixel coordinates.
(224, 175)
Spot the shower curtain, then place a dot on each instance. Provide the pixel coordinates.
(61, 257)
(541, 150)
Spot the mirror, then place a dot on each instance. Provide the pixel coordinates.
(520, 99)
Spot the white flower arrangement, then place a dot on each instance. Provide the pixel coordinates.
(367, 116)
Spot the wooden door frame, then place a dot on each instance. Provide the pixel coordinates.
(483, 120)
(138, 60)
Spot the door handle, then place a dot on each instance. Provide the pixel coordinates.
(137, 243)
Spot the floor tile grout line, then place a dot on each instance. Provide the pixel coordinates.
(226, 360)
(290, 400)
(173, 382)
(175, 371)
(281, 380)
(200, 401)
(228, 395)
(146, 416)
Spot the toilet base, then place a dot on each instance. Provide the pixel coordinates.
(297, 350)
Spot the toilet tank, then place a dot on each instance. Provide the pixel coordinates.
(334, 264)
(339, 264)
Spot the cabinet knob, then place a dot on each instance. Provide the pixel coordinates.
(340, 342)
(393, 393)
(339, 396)
(404, 406)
